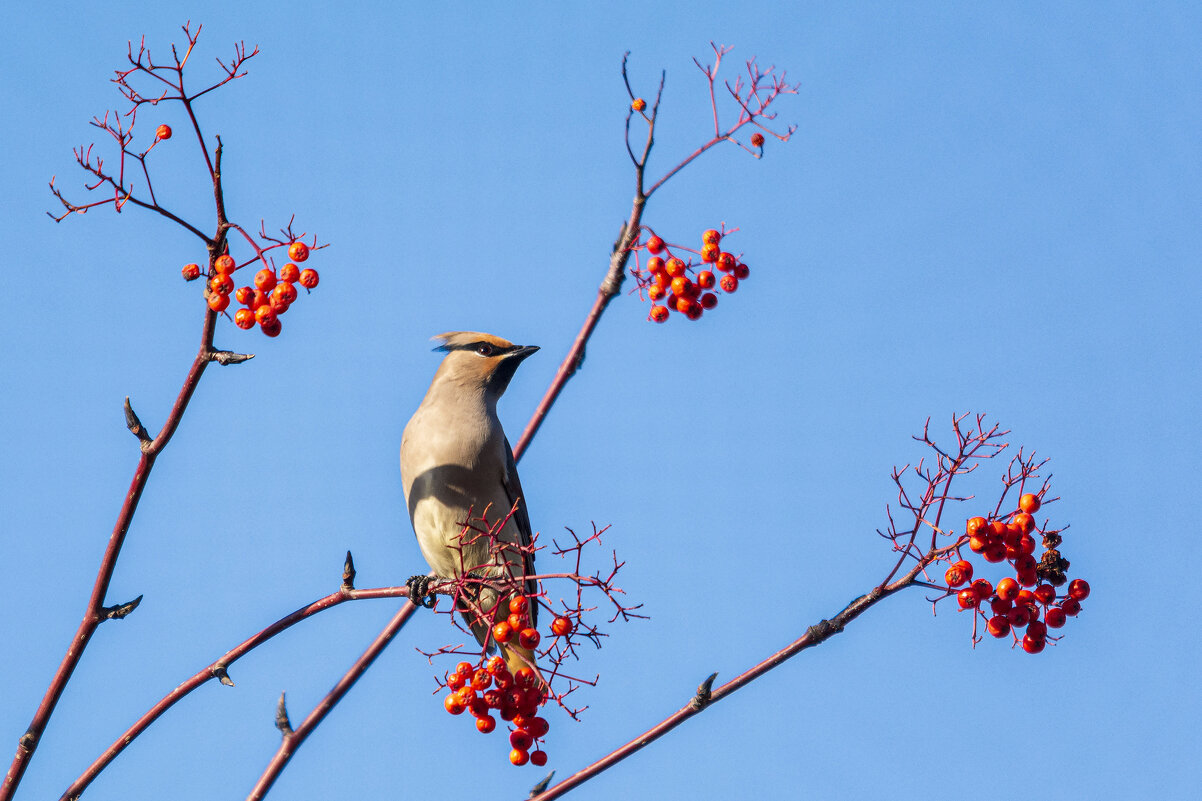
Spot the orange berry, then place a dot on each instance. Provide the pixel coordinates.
(517, 621)
(711, 237)
(502, 632)
(495, 665)
(982, 588)
(298, 251)
(959, 573)
(221, 284)
(519, 604)
(998, 626)
(1025, 522)
(265, 314)
(481, 680)
(638, 104)
(726, 262)
(163, 132)
(455, 681)
(1029, 503)
(245, 295)
(674, 267)
(706, 279)
(519, 757)
(524, 677)
(659, 314)
(974, 525)
(191, 272)
(682, 304)
(308, 278)
(465, 667)
(453, 704)
(757, 140)
(529, 638)
(729, 283)
(682, 286)
(285, 292)
(656, 292)
(655, 245)
(486, 724)
(967, 599)
(1007, 589)
(561, 627)
(218, 302)
(710, 252)
(290, 272)
(260, 298)
(265, 279)
(538, 758)
(244, 319)
(224, 263)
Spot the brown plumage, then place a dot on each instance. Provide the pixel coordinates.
(456, 463)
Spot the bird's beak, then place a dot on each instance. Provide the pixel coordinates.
(521, 353)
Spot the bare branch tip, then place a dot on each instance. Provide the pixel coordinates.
(135, 425)
(224, 357)
(221, 673)
(121, 611)
(348, 573)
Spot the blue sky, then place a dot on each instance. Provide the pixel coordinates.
(984, 209)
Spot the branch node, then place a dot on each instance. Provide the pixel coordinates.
(221, 673)
(823, 629)
(29, 740)
(542, 785)
(121, 610)
(704, 692)
(135, 426)
(224, 357)
(281, 718)
(348, 573)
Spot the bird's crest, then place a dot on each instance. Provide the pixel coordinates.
(469, 340)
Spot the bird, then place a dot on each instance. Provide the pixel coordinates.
(456, 464)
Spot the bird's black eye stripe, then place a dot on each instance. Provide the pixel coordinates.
(481, 347)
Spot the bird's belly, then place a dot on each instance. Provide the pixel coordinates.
(439, 528)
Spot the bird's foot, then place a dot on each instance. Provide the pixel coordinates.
(419, 591)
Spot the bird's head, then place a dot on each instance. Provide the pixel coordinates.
(480, 361)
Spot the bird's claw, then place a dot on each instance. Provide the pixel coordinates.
(419, 591)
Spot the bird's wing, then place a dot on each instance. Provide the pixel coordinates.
(521, 517)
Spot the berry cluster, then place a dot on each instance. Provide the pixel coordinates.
(516, 696)
(680, 285)
(267, 300)
(1014, 605)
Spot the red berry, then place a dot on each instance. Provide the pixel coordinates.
(1070, 607)
(538, 727)
(1000, 606)
(742, 271)
(298, 251)
(478, 707)
(538, 758)
(191, 272)
(1025, 522)
(1078, 589)
(519, 757)
(218, 302)
(1019, 616)
(524, 677)
(959, 573)
(481, 679)
(1055, 617)
(683, 287)
(308, 278)
(1026, 598)
(709, 253)
(221, 284)
(757, 140)
(1037, 630)
(709, 300)
(521, 739)
(994, 552)
(486, 724)
(705, 279)
(495, 665)
(455, 681)
(726, 262)
(1045, 594)
(265, 279)
(967, 599)
(273, 328)
(561, 627)
(244, 319)
(655, 245)
(998, 626)
(974, 525)
(502, 632)
(1032, 645)
(693, 311)
(1007, 589)
(1029, 503)
(519, 604)
(465, 667)
(265, 314)
(982, 588)
(657, 292)
(454, 704)
(1025, 563)
(224, 263)
(682, 304)
(1028, 578)
(655, 265)
(659, 314)
(674, 267)
(517, 621)
(163, 132)
(729, 283)
(494, 698)
(529, 638)
(977, 543)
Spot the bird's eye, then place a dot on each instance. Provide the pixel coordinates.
(484, 349)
